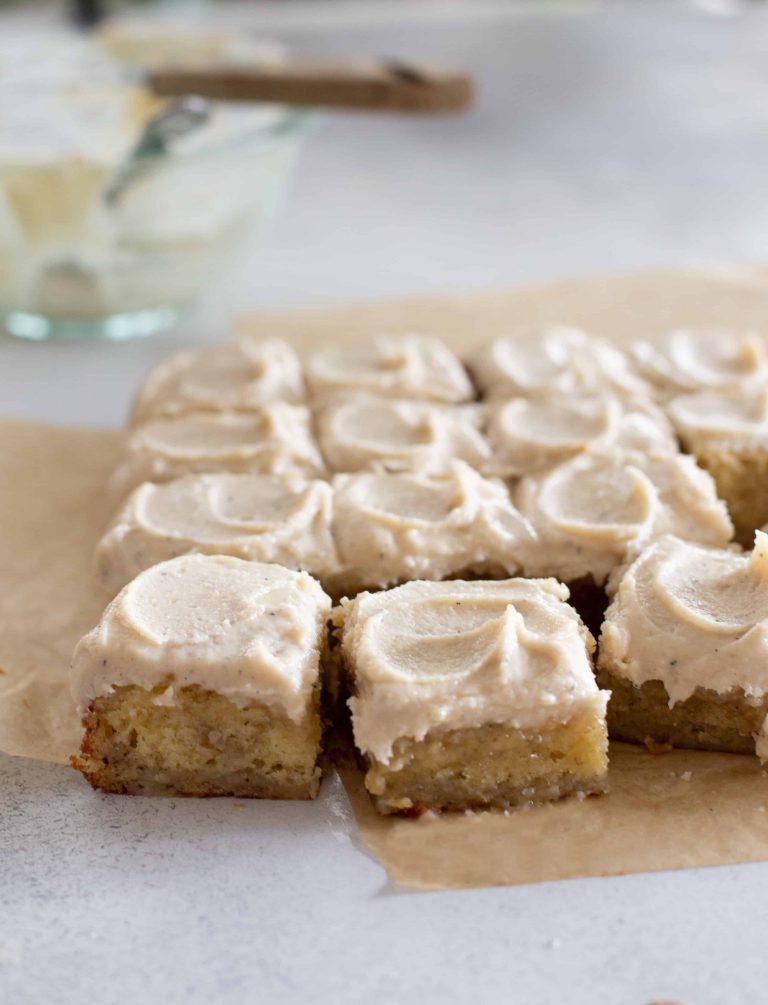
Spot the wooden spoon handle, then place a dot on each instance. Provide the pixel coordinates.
(373, 86)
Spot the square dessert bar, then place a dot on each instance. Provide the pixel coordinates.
(266, 518)
(528, 435)
(392, 366)
(593, 513)
(364, 432)
(203, 679)
(391, 528)
(554, 360)
(473, 694)
(728, 434)
(272, 440)
(683, 648)
(239, 376)
(699, 359)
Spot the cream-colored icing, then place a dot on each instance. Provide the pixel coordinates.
(594, 512)
(275, 440)
(692, 617)
(555, 360)
(248, 631)
(453, 655)
(693, 360)
(366, 432)
(266, 518)
(721, 417)
(395, 366)
(240, 376)
(528, 434)
(395, 527)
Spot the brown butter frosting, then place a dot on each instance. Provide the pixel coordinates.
(393, 527)
(266, 518)
(692, 617)
(439, 656)
(393, 366)
(249, 631)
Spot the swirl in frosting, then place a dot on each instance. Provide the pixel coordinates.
(557, 360)
(395, 366)
(691, 617)
(248, 631)
(238, 377)
(592, 513)
(284, 519)
(720, 417)
(390, 528)
(367, 432)
(701, 360)
(459, 654)
(275, 440)
(528, 434)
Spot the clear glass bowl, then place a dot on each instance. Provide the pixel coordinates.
(74, 265)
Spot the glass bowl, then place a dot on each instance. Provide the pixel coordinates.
(74, 264)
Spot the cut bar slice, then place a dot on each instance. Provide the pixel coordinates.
(238, 377)
(274, 440)
(266, 518)
(473, 694)
(203, 678)
(683, 648)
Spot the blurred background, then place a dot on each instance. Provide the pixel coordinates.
(604, 136)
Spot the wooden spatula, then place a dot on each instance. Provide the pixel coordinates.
(377, 85)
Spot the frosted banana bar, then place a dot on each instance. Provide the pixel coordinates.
(727, 431)
(473, 694)
(390, 528)
(527, 435)
(284, 519)
(595, 512)
(364, 432)
(556, 360)
(691, 360)
(275, 440)
(683, 648)
(241, 376)
(203, 678)
(393, 366)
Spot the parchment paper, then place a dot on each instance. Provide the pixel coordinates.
(53, 509)
(675, 810)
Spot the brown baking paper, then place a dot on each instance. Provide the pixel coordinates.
(53, 509)
(670, 811)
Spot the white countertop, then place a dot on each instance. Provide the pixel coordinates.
(604, 138)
